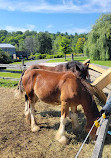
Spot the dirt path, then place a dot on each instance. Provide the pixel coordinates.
(17, 141)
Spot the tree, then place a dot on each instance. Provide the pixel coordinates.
(65, 46)
(28, 45)
(57, 44)
(98, 45)
(45, 43)
(3, 32)
(79, 45)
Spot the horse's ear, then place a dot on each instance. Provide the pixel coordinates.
(66, 66)
(86, 64)
(78, 68)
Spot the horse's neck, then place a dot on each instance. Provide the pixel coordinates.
(90, 108)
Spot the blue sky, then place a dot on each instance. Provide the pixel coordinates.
(51, 15)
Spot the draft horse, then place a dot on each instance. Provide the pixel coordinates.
(58, 88)
(78, 68)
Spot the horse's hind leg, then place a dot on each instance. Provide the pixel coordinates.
(34, 127)
(60, 136)
(74, 117)
(27, 111)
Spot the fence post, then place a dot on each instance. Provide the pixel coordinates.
(22, 62)
(72, 57)
(102, 131)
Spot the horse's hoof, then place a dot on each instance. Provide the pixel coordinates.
(35, 129)
(62, 139)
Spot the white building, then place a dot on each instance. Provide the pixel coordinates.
(8, 48)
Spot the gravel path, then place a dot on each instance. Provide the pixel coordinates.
(36, 62)
(43, 61)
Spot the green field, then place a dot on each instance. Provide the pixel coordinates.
(81, 59)
(8, 74)
(8, 83)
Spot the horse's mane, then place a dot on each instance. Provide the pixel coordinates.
(70, 64)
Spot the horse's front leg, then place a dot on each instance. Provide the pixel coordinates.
(60, 136)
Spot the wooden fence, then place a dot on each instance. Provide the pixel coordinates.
(101, 79)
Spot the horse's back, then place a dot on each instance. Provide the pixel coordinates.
(46, 84)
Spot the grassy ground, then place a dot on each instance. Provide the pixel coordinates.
(8, 83)
(20, 62)
(81, 59)
(8, 74)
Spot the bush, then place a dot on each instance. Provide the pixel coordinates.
(60, 55)
(5, 58)
(45, 56)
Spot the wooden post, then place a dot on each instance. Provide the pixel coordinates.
(102, 81)
(86, 61)
(102, 131)
(72, 57)
(22, 62)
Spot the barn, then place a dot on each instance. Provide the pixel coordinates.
(8, 48)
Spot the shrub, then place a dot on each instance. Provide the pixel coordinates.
(5, 58)
(45, 56)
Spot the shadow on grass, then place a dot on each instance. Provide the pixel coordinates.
(74, 136)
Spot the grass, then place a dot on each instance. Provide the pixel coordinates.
(13, 70)
(105, 63)
(8, 74)
(8, 83)
(20, 62)
(81, 59)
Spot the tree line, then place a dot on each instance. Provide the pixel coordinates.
(44, 42)
(98, 44)
(95, 45)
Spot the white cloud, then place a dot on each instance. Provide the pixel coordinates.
(70, 6)
(23, 29)
(49, 26)
(77, 30)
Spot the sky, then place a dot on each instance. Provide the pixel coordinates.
(51, 15)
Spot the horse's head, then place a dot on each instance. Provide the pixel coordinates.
(92, 116)
(81, 70)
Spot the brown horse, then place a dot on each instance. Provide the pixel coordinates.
(78, 68)
(58, 88)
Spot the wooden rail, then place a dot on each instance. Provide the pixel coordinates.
(12, 66)
(101, 132)
(96, 68)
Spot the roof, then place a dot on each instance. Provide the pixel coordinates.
(4, 45)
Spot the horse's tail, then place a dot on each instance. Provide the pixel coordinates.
(20, 88)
